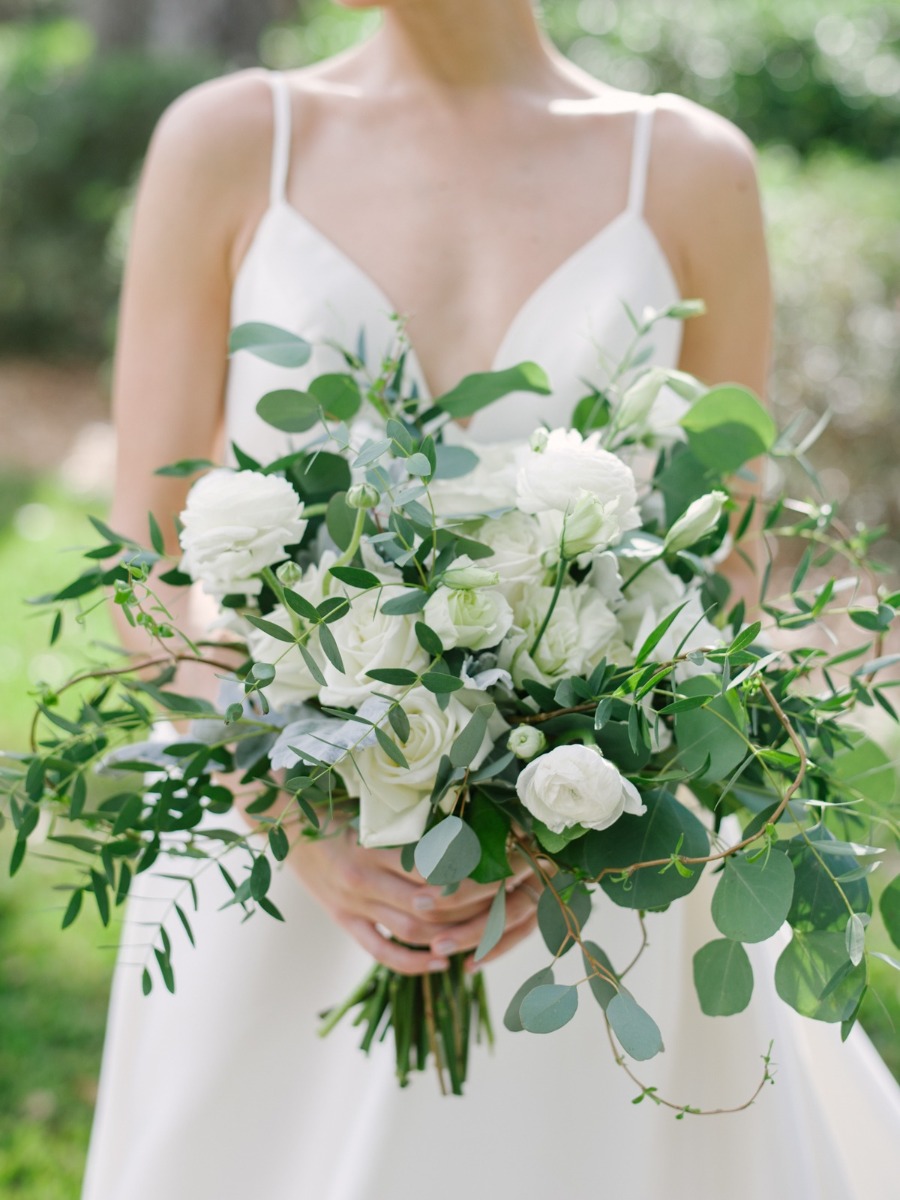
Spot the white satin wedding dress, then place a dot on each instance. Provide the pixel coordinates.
(224, 1092)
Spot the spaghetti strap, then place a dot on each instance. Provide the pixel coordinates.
(281, 136)
(640, 154)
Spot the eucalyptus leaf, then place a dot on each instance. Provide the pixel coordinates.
(723, 977)
(512, 1018)
(496, 923)
(288, 410)
(727, 428)
(553, 924)
(636, 1030)
(470, 739)
(548, 1007)
(477, 391)
(601, 988)
(717, 730)
(269, 342)
(448, 852)
(804, 972)
(753, 896)
(889, 905)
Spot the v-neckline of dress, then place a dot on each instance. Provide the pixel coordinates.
(534, 297)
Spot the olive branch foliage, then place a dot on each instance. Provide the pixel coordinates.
(760, 776)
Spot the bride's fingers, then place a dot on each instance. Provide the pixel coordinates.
(511, 937)
(399, 958)
(520, 908)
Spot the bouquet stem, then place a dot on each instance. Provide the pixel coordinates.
(433, 1018)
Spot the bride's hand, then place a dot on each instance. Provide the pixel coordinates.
(367, 891)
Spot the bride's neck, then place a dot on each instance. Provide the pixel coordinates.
(460, 44)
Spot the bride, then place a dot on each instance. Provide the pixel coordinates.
(456, 170)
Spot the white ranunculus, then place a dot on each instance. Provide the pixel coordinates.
(234, 524)
(519, 544)
(698, 519)
(581, 631)
(568, 465)
(394, 801)
(472, 617)
(368, 639)
(576, 785)
(489, 486)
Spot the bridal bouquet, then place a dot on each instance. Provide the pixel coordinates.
(490, 656)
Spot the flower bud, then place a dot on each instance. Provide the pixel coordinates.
(525, 742)
(363, 495)
(538, 441)
(469, 576)
(289, 573)
(588, 526)
(635, 405)
(683, 310)
(699, 519)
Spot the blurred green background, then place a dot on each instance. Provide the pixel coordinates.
(816, 86)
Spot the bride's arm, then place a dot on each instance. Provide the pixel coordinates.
(201, 194)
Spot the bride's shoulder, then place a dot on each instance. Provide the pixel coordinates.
(696, 148)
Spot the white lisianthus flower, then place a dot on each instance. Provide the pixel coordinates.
(568, 465)
(582, 630)
(293, 682)
(525, 742)
(472, 617)
(234, 524)
(590, 524)
(688, 632)
(519, 544)
(576, 785)
(368, 639)
(698, 519)
(394, 801)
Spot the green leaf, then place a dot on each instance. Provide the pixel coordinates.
(390, 748)
(496, 923)
(448, 852)
(753, 897)
(399, 722)
(727, 428)
(716, 730)
(890, 910)
(340, 520)
(412, 601)
(301, 606)
(371, 451)
(73, 908)
(165, 969)
(664, 827)
(278, 841)
(269, 342)
(491, 826)
(418, 464)
(441, 683)
(512, 1018)
(393, 676)
(855, 937)
(548, 1007)
(278, 632)
(819, 902)
(101, 895)
(157, 541)
(723, 978)
(454, 461)
(601, 988)
(804, 974)
(636, 1030)
(475, 392)
(745, 638)
(330, 648)
(656, 636)
(551, 922)
(260, 877)
(312, 666)
(338, 394)
(867, 771)
(146, 982)
(429, 640)
(471, 738)
(185, 923)
(356, 577)
(183, 468)
(288, 410)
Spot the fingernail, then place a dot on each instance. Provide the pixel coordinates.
(444, 946)
(423, 903)
(438, 964)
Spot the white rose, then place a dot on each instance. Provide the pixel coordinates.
(472, 617)
(519, 544)
(569, 465)
(234, 524)
(368, 639)
(293, 682)
(581, 631)
(576, 785)
(394, 801)
(698, 519)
